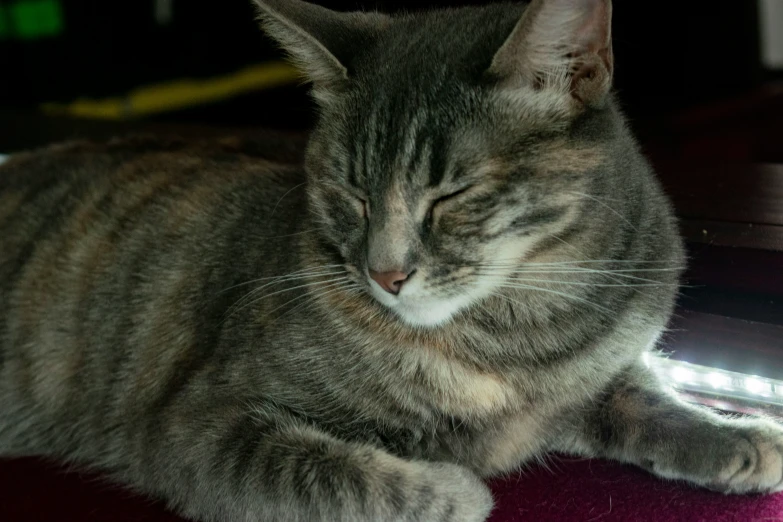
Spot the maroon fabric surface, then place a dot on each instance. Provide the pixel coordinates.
(570, 491)
(593, 491)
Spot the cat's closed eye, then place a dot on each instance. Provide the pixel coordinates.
(436, 208)
(361, 204)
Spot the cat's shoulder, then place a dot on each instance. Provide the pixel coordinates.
(276, 154)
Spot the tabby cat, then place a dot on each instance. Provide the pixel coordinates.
(462, 275)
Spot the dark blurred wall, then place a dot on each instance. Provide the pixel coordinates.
(670, 54)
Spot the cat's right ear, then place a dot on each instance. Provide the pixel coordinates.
(321, 42)
(563, 47)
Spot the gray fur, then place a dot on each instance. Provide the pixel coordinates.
(198, 321)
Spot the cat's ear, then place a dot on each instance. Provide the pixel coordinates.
(564, 45)
(321, 42)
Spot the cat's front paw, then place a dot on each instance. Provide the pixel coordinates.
(456, 495)
(735, 457)
(757, 462)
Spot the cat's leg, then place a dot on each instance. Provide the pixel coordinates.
(638, 421)
(268, 467)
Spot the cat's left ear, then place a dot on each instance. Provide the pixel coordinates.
(561, 45)
(321, 42)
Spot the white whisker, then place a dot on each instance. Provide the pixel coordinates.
(292, 277)
(304, 270)
(284, 196)
(266, 296)
(580, 252)
(292, 235)
(611, 275)
(593, 198)
(278, 292)
(322, 292)
(599, 285)
(561, 294)
(620, 271)
(585, 261)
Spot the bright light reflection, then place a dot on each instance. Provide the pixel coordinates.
(719, 380)
(757, 386)
(694, 378)
(681, 374)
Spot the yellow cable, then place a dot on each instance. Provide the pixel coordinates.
(179, 94)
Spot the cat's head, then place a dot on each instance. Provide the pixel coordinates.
(445, 150)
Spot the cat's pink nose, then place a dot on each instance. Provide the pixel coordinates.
(390, 281)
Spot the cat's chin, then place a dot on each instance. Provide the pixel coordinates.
(426, 316)
(425, 313)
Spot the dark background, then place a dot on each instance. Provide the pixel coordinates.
(670, 55)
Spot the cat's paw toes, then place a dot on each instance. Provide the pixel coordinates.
(460, 496)
(756, 465)
(737, 457)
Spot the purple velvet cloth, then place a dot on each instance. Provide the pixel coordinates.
(570, 491)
